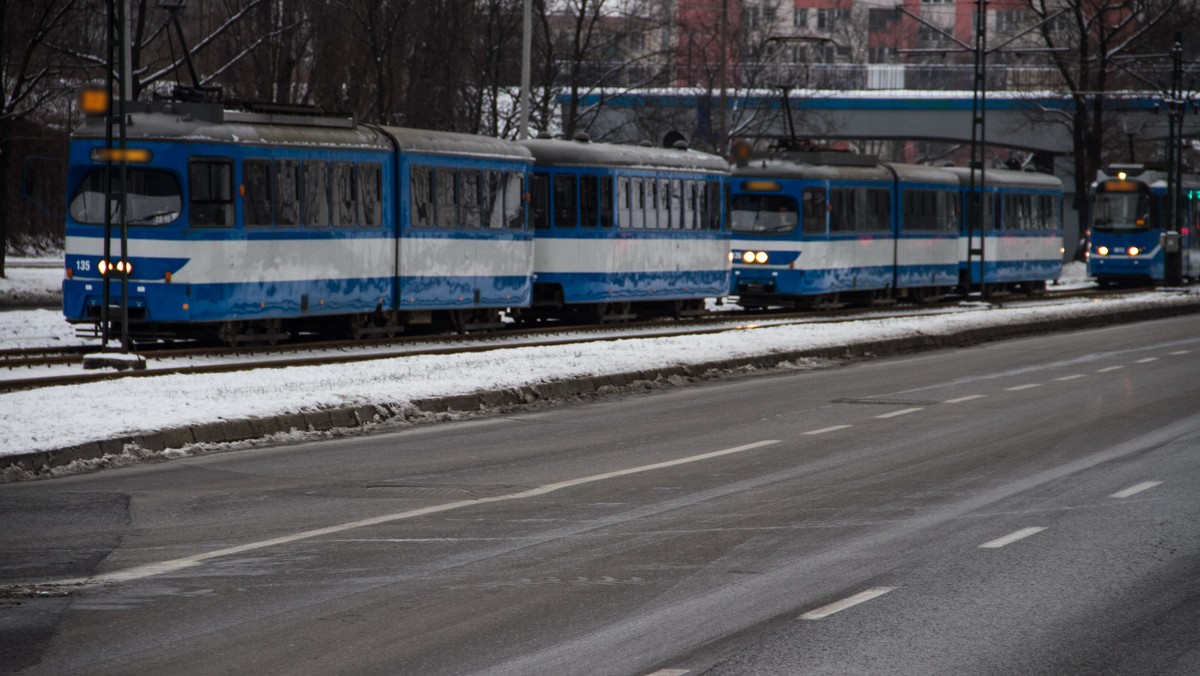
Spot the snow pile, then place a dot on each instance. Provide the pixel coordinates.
(84, 413)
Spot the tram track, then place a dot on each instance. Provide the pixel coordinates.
(319, 352)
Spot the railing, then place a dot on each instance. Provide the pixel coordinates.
(846, 76)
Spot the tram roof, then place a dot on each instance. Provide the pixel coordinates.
(588, 154)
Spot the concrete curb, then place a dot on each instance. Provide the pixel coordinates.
(41, 463)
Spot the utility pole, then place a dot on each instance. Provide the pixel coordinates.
(1172, 249)
(976, 191)
(526, 56)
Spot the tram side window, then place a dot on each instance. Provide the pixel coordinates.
(472, 213)
(589, 201)
(514, 201)
(664, 204)
(928, 211)
(541, 201)
(606, 202)
(211, 189)
(287, 192)
(624, 203)
(421, 197)
(370, 194)
(445, 187)
(693, 207)
(316, 194)
(564, 201)
(256, 179)
(637, 217)
(343, 194)
(492, 199)
(677, 205)
(813, 211)
(842, 210)
(713, 190)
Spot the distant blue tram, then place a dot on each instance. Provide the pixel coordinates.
(1130, 216)
(822, 229)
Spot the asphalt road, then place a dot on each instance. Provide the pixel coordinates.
(1020, 507)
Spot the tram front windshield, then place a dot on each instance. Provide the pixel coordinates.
(764, 214)
(153, 198)
(1115, 211)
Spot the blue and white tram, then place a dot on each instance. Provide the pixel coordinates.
(1022, 233)
(254, 225)
(622, 231)
(1130, 214)
(821, 228)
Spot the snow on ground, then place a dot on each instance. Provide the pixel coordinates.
(81, 413)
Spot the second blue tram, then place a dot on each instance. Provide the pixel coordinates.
(623, 231)
(1130, 219)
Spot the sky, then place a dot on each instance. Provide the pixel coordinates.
(82, 413)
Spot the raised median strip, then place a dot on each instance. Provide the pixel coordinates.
(118, 450)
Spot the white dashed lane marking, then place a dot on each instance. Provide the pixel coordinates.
(1077, 376)
(826, 430)
(1018, 388)
(1011, 538)
(969, 397)
(849, 602)
(903, 411)
(1135, 489)
(1147, 360)
(1108, 369)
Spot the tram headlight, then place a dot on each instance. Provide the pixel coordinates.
(760, 257)
(748, 257)
(1133, 251)
(1102, 250)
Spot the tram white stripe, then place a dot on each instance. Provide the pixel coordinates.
(1011, 538)
(848, 602)
(161, 567)
(1135, 489)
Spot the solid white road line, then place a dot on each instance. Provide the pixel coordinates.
(1011, 538)
(161, 567)
(1018, 388)
(1077, 376)
(1135, 489)
(1108, 369)
(903, 411)
(838, 606)
(825, 430)
(969, 397)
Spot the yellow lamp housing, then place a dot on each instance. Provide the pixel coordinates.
(94, 100)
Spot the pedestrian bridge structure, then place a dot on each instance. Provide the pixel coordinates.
(1018, 120)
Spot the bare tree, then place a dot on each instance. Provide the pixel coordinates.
(29, 79)
(1096, 39)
